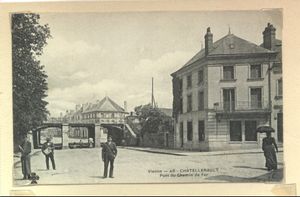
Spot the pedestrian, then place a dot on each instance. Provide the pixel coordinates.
(109, 153)
(25, 149)
(91, 142)
(48, 151)
(269, 151)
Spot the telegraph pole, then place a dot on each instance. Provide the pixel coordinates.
(152, 95)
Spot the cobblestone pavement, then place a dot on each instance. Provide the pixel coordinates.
(84, 166)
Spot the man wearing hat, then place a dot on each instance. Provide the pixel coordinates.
(48, 151)
(109, 153)
(25, 149)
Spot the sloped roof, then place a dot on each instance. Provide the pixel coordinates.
(230, 45)
(105, 105)
(78, 112)
(278, 48)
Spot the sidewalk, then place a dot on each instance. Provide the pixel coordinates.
(84, 166)
(17, 174)
(17, 156)
(191, 153)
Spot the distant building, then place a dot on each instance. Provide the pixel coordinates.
(104, 111)
(226, 90)
(83, 120)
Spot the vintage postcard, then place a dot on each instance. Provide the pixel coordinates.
(152, 97)
(166, 97)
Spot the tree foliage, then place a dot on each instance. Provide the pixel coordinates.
(29, 78)
(153, 120)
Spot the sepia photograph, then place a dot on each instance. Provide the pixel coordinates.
(147, 97)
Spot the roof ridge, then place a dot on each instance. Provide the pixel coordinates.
(116, 105)
(98, 105)
(221, 47)
(237, 37)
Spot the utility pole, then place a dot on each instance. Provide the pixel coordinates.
(152, 95)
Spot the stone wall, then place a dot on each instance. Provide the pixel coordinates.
(158, 140)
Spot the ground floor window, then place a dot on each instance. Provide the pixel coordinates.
(189, 130)
(201, 132)
(243, 130)
(235, 131)
(250, 131)
(78, 132)
(181, 134)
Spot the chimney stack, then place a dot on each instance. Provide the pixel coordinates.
(269, 37)
(208, 41)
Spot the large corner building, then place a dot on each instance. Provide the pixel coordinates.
(226, 90)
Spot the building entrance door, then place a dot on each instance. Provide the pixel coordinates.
(167, 139)
(181, 134)
(280, 127)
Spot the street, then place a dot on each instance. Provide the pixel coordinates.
(84, 166)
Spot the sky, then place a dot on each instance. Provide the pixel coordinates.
(93, 55)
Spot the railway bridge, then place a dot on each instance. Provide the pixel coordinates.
(64, 134)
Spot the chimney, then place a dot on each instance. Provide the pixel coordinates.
(208, 41)
(269, 37)
(125, 106)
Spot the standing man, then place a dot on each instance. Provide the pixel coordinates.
(109, 153)
(25, 149)
(48, 151)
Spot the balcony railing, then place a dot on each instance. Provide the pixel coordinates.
(237, 106)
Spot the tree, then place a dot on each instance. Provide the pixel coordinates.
(29, 78)
(153, 120)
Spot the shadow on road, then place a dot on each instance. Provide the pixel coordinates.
(98, 177)
(20, 179)
(42, 170)
(248, 167)
(274, 176)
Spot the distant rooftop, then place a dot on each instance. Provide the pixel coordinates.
(105, 105)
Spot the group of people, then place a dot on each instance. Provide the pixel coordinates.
(109, 153)
(25, 148)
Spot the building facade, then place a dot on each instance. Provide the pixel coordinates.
(225, 91)
(93, 121)
(105, 111)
